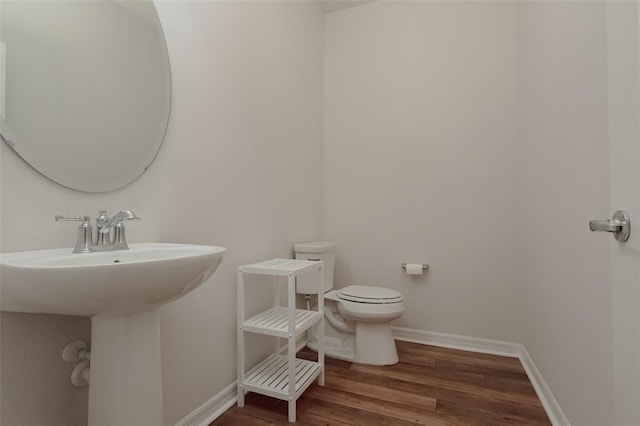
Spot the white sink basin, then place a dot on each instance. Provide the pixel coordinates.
(147, 275)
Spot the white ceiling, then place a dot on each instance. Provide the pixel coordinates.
(329, 6)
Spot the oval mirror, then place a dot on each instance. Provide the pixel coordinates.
(85, 89)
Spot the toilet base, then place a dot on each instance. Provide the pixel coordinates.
(375, 344)
(372, 344)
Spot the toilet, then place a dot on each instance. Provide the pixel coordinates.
(357, 318)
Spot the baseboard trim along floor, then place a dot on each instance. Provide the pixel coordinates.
(213, 408)
(225, 399)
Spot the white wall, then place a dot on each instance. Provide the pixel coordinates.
(421, 159)
(248, 93)
(36, 383)
(241, 167)
(565, 165)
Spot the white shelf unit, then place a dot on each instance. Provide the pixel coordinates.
(272, 377)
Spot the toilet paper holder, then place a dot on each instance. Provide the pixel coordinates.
(425, 266)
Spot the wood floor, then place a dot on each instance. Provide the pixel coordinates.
(429, 386)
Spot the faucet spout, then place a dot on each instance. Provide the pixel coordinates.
(117, 218)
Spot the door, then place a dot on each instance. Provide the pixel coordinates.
(623, 51)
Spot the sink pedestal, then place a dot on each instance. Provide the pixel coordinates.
(125, 386)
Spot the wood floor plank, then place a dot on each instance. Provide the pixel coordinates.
(496, 415)
(462, 357)
(480, 369)
(260, 409)
(511, 384)
(381, 408)
(381, 392)
(388, 412)
(431, 386)
(241, 419)
(418, 359)
(400, 371)
(343, 414)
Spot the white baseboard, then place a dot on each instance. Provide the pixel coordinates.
(452, 341)
(492, 347)
(213, 408)
(551, 406)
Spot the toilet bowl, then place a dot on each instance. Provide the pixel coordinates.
(357, 318)
(369, 304)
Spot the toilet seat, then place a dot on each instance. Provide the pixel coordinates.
(369, 295)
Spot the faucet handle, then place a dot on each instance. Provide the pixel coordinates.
(85, 234)
(84, 219)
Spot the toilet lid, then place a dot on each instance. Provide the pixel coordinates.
(366, 294)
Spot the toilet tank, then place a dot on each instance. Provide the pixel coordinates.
(316, 250)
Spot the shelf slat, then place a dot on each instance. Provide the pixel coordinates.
(275, 321)
(271, 378)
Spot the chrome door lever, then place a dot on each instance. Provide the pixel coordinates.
(604, 225)
(619, 225)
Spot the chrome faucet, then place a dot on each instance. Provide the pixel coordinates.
(104, 241)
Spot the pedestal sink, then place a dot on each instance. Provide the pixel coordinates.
(121, 292)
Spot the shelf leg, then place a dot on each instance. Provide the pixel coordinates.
(277, 342)
(321, 331)
(292, 347)
(292, 411)
(240, 396)
(240, 338)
